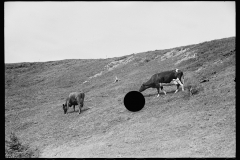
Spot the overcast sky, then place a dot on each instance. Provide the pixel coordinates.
(49, 31)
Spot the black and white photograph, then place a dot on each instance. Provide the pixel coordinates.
(120, 79)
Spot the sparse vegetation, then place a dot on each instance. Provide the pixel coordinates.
(15, 149)
(197, 122)
(192, 84)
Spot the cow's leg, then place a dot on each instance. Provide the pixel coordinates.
(158, 91)
(74, 108)
(162, 89)
(179, 82)
(175, 81)
(181, 85)
(177, 88)
(80, 107)
(67, 108)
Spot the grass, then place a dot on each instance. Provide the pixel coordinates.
(15, 149)
(35, 92)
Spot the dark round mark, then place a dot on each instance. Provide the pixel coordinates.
(134, 101)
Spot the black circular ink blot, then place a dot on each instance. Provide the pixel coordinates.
(134, 101)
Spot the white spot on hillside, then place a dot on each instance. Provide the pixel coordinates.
(118, 63)
(113, 65)
(217, 62)
(173, 53)
(96, 75)
(85, 82)
(199, 69)
(186, 56)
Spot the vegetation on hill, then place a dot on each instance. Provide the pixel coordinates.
(15, 149)
(199, 122)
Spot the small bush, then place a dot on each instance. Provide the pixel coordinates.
(15, 149)
(147, 60)
(194, 89)
(192, 84)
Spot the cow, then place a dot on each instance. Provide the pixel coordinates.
(158, 80)
(74, 98)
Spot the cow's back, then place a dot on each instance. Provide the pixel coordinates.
(76, 96)
(163, 76)
(166, 76)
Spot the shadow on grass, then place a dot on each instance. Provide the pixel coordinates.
(76, 110)
(162, 94)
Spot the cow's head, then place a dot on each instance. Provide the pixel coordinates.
(142, 88)
(64, 108)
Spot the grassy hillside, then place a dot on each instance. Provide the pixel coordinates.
(174, 125)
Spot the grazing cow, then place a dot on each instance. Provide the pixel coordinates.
(75, 98)
(173, 77)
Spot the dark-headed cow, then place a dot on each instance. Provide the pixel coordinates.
(158, 80)
(74, 98)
